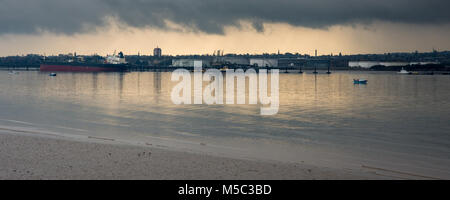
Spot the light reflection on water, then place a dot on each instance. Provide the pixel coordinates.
(397, 122)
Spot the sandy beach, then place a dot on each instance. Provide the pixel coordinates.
(27, 156)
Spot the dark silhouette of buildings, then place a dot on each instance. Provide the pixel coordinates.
(157, 52)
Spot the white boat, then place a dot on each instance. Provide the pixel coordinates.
(13, 72)
(403, 71)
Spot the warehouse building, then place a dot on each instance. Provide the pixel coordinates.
(263, 62)
(190, 62)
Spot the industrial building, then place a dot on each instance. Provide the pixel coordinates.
(369, 64)
(291, 62)
(233, 60)
(190, 62)
(263, 62)
(317, 64)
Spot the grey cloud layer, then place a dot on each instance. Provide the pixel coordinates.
(73, 16)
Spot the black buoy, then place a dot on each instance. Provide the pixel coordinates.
(329, 66)
(315, 69)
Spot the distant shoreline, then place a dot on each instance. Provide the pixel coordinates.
(438, 68)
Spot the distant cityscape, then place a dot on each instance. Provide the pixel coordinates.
(434, 60)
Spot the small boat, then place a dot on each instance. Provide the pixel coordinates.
(403, 71)
(13, 72)
(52, 74)
(360, 81)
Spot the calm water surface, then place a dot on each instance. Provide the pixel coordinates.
(395, 122)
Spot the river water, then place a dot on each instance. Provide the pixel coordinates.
(395, 122)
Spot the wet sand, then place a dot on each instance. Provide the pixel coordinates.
(27, 156)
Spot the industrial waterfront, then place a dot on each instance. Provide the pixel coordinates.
(425, 61)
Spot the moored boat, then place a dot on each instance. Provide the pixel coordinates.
(360, 81)
(403, 71)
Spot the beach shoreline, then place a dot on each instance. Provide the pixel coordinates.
(25, 156)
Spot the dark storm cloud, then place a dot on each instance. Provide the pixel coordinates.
(64, 16)
(29, 16)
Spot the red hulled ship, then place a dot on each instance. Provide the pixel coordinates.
(114, 63)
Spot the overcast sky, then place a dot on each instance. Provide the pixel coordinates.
(237, 26)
